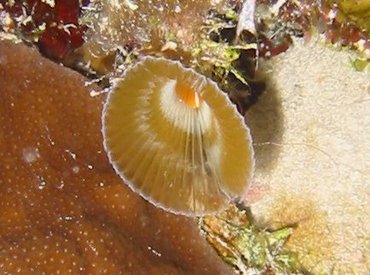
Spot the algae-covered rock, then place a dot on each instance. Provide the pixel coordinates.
(358, 11)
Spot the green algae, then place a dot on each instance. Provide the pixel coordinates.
(357, 11)
(249, 248)
(361, 64)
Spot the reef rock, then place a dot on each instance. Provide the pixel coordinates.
(311, 132)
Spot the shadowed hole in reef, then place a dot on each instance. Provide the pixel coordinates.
(266, 121)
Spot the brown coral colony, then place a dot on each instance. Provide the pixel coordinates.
(63, 209)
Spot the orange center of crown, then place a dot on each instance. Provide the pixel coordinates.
(187, 95)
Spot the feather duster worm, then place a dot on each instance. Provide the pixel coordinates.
(175, 138)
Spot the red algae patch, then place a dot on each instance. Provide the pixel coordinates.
(53, 25)
(176, 138)
(62, 207)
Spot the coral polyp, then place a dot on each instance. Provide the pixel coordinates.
(176, 139)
